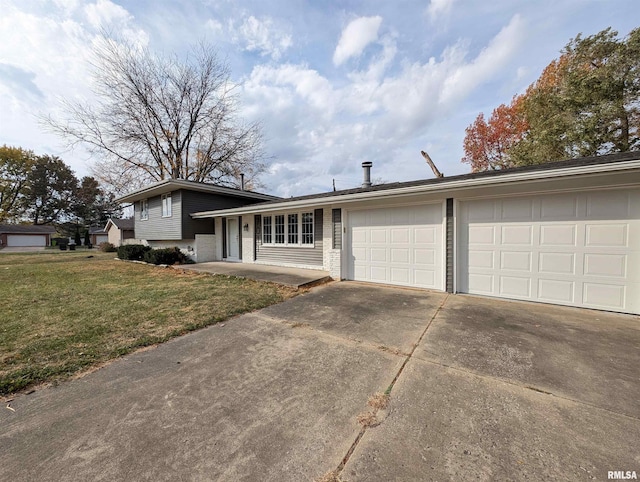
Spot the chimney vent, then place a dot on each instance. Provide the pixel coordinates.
(366, 166)
(242, 182)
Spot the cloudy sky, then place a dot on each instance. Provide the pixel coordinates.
(335, 83)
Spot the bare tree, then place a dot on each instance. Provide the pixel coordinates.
(162, 118)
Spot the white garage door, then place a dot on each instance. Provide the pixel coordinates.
(401, 246)
(24, 240)
(571, 249)
(101, 238)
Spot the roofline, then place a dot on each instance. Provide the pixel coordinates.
(442, 185)
(168, 185)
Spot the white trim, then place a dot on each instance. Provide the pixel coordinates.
(442, 186)
(174, 184)
(455, 245)
(144, 213)
(444, 243)
(166, 201)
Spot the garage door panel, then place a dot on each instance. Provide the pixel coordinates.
(425, 278)
(400, 235)
(481, 234)
(378, 255)
(607, 235)
(578, 249)
(511, 286)
(517, 235)
(481, 283)
(614, 265)
(516, 261)
(555, 290)
(425, 256)
(599, 295)
(426, 235)
(360, 254)
(557, 235)
(400, 275)
(481, 259)
(480, 212)
(359, 236)
(517, 209)
(612, 205)
(562, 206)
(378, 273)
(400, 255)
(400, 245)
(556, 263)
(378, 236)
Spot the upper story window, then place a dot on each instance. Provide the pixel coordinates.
(144, 209)
(290, 229)
(166, 205)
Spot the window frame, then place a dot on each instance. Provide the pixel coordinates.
(289, 231)
(144, 209)
(166, 202)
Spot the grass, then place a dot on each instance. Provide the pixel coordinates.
(66, 312)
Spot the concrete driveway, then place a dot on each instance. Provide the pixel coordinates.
(479, 390)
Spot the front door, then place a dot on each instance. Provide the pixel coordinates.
(233, 239)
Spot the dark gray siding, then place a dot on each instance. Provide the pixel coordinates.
(294, 255)
(157, 228)
(449, 247)
(194, 202)
(336, 218)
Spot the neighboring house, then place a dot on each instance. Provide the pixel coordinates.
(119, 230)
(25, 235)
(566, 233)
(97, 235)
(163, 215)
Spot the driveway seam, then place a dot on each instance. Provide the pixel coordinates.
(336, 473)
(355, 342)
(523, 386)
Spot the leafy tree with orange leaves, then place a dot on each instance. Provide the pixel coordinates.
(487, 144)
(585, 103)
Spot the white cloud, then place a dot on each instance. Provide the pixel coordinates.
(48, 52)
(378, 114)
(355, 38)
(438, 8)
(215, 26)
(261, 35)
(104, 13)
(468, 76)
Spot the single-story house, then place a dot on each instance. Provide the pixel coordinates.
(97, 235)
(566, 232)
(119, 230)
(162, 215)
(24, 235)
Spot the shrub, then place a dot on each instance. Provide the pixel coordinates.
(133, 252)
(107, 247)
(165, 256)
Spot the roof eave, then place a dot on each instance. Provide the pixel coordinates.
(168, 185)
(426, 188)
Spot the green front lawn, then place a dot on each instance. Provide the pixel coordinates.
(64, 312)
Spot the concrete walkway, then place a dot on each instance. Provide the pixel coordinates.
(294, 277)
(479, 390)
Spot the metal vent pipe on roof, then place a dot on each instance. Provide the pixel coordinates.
(366, 165)
(241, 182)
